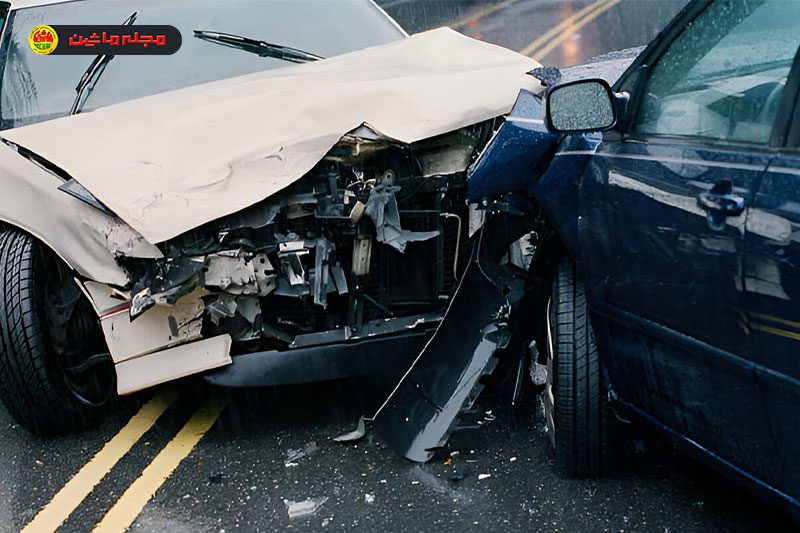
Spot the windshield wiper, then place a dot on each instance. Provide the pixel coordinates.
(93, 73)
(254, 46)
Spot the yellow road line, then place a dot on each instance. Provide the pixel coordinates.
(775, 331)
(555, 30)
(81, 485)
(570, 30)
(130, 504)
(776, 319)
(481, 14)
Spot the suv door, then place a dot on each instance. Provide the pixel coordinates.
(771, 286)
(662, 221)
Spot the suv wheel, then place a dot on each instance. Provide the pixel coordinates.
(579, 420)
(55, 372)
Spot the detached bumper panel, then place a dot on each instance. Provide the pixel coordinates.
(321, 363)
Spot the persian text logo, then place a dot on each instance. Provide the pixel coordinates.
(43, 40)
(109, 40)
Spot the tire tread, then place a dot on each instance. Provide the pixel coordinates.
(31, 386)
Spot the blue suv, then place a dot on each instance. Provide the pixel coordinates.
(673, 262)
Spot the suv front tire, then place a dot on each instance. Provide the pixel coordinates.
(580, 423)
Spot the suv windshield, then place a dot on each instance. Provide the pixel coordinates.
(36, 88)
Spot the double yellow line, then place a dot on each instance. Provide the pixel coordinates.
(130, 504)
(773, 326)
(485, 12)
(553, 38)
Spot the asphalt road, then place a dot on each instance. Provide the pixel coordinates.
(269, 453)
(271, 448)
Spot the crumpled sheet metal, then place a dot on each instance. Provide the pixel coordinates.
(85, 238)
(193, 155)
(382, 209)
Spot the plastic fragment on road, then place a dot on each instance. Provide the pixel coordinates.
(355, 435)
(304, 508)
(294, 455)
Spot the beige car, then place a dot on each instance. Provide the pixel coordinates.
(243, 208)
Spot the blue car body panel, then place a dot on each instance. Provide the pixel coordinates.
(515, 153)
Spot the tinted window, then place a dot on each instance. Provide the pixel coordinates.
(36, 88)
(724, 75)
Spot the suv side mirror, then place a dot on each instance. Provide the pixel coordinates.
(582, 106)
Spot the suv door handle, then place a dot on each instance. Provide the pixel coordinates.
(721, 200)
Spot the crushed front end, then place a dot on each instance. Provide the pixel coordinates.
(347, 270)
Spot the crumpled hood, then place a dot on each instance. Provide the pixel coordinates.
(168, 163)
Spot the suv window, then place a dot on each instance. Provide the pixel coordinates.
(723, 77)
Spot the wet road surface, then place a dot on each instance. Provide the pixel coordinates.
(554, 32)
(269, 453)
(270, 450)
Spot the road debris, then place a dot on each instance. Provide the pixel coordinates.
(355, 435)
(293, 455)
(458, 476)
(305, 507)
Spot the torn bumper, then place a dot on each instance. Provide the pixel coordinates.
(443, 380)
(159, 367)
(321, 363)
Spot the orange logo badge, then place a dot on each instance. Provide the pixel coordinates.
(43, 40)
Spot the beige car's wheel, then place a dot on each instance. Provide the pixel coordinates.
(55, 374)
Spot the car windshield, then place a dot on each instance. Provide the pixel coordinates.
(36, 88)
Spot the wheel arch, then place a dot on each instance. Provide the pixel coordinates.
(533, 308)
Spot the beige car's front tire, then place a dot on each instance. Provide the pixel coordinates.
(54, 376)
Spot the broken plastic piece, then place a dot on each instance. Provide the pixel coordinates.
(324, 253)
(423, 409)
(304, 508)
(444, 378)
(355, 435)
(522, 250)
(141, 302)
(293, 269)
(248, 307)
(357, 212)
(223, 271)
(223, 307)
(382, 209)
